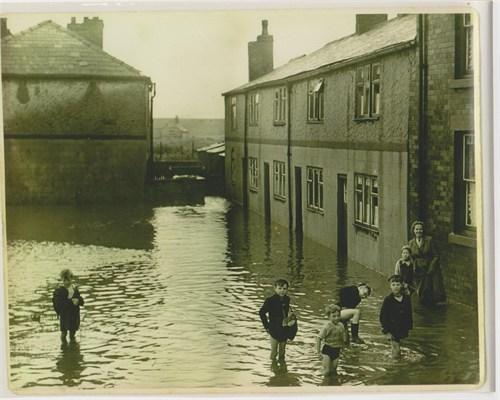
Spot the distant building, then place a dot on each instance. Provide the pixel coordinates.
(76, 119)
(354, 141)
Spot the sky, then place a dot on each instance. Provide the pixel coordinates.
(195, 56)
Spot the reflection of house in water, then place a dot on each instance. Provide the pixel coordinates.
(76, 119)
(352, 142)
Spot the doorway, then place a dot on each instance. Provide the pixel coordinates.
(267, 193)
(342, 214)
(298, 199)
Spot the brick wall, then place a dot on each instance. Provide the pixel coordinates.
(75, 141)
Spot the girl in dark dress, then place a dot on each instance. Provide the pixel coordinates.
(428, 276)
(396, 315)
(67, 301)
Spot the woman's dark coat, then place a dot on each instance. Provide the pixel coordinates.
(428, 276)
(68, 313)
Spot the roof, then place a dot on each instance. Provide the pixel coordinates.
(389, 35)
(48, 49)
(216, 148)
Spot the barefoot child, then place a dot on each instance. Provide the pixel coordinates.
(277, 307)
(331, 339)
(396, 315)
(67, 301)
(404, 268)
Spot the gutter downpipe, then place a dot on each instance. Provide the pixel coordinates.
(422, 128)
(289, 154)
(152, 88)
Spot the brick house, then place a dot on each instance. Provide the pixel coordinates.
(352, 142)
(76, 119)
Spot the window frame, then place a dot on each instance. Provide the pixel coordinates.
(315, 189)
(316, 100)
(253, 174)
(279, 180)
(368, 91)
(253, 109)
(464, 185)
(370, 201)
(464, 46)
(233, 112)
(280, 105)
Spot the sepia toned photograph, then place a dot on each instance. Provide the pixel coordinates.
(242, 201)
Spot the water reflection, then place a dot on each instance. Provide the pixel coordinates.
(70, 364)
(183, 296)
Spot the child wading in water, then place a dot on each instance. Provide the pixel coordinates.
(396, 315)
(405, 269)
(331, 339)
(67, 301)
(279, 323)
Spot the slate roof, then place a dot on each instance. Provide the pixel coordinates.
(48, 49)
(391, 34)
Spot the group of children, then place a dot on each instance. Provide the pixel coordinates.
(395, 316)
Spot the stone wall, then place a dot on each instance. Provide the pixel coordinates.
(73, 141)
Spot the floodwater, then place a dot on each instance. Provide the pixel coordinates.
(172, 297)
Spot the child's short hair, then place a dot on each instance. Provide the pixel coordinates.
(366, 286)
(66, 273)
(331, 308)
(406, 247)
(281, 282)
(395, 278)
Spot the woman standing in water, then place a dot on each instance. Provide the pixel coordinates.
(428, 276)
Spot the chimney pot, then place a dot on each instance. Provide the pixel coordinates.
(260, 54)
(264, 27)
(90, 29)
(366, 22)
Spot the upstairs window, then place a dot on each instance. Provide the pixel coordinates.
(464, 65)
(233, 112)
(366, 200)
(280, 109)
(315, 100)
(367, 95)
(465, 183)
(253, 109)
(253, 172)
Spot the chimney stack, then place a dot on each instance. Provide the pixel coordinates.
(4, 31)
(89, 29)
(260, 54)
(366, 22)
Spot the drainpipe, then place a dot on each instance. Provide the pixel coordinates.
(289, 154)
(422, 123)
(245, 155)
(152, 89)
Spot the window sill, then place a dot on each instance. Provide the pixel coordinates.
(461, 83)
(462, 240)
(310, 121)
(253, 190)
(366, 119)
(280, 198)
(359, 227)
(316, 210)
(279, 123)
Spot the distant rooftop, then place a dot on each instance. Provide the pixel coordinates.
(386, 36)
(48, 49)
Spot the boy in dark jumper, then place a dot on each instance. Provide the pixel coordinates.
(349, 299)
(277, 307)
(67, 301)
(396, 315)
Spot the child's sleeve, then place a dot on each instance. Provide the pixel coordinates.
(263, 314)
(397, 269)
(410, 313)
(56, 301)
(323, 333)
(80, 298)
(384, 317)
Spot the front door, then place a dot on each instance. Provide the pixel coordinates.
(298, 199)
(342, 214)
(267, 193)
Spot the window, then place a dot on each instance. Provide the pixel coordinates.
(367, 91)
(279, 111)
(279, 186)
(315, 188)
(463, 46)
(315, 101)
(465, 183)
(233, 112)
(253, 109)
(253, 171)
(366, 200)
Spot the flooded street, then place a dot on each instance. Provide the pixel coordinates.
(172, 297)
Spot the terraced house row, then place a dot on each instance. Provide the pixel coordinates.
(352, 142)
